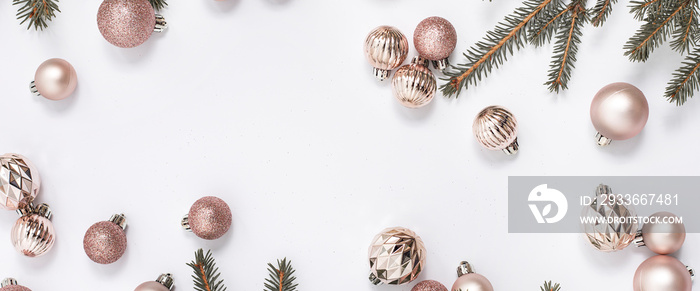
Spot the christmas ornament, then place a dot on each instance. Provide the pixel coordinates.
(10, 284)
(396, 256)
(105, 241)
(19, 182)
(619, 111)
(163, 283)
(209, 218)
(468, 280)
(663, 235)
(55, 79)
(414, 84)
(613, 236)
(435, 38)
(663, 273)
(128, 23)
(33, 234)
(429, 285)
(495, 128)
(386, 49)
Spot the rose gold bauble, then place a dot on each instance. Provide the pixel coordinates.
(55, 79)
(19, 181)
(414, 84)
(662, 237)
(105, 242)
(619, 111)
(496, 128)
(33, 234)
(435, 38)
(386, 49)
(396, 256)
(10, 284)
(468, 280)
(128, 23)
(662, 273)
(163, 283)
(209, 218)
(611, 227)
(429, 285)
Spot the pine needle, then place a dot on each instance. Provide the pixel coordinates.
(495, 47)
(37, 12)
(640, 9)
(566, 46)
(206, 274)
(543, 28)
(601, 11)
(281, 277)
(684, 37)
(549, 287)
(686, 80)
(158, 4)
(655, 31)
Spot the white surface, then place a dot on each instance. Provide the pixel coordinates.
(273, 107)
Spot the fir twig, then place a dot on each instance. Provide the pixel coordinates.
(158, 4)
(686, 80)
(566, 46)
(37, 12)
(654, 32)
(641, 8)
(206, 274)
(601, 11)
(493, 50)
(543, 28)
(281, 277)
(549, 287)
(686, 29)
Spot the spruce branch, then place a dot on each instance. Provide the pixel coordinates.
(543, 28)
(206, 274)
(493, 50)
(641, 8)
(158, 4)
(684, 37)
(549, 287)
(281, 277)
(601, 11)
(566, 46)
(686, 80)
(37, 12)
(655, 31)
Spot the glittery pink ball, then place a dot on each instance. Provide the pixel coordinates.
(209, 217)
(429, 285)
(126, 23)
(15, 288)
(435, 38)
(104, 242)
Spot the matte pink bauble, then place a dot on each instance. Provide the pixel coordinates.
(619, 111)
(662, 273)
(55, 79)
(662, 237)
(163, 283)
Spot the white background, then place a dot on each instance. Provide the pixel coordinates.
(272, 106)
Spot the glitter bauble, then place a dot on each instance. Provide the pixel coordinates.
(619, 111)
(128, 23)
(33, 234)
(614, 228)
(19, 182)
(429, 285)
(163, 283)
(662, 273)
(105, 241)
(396, 256)
(435, 38)
(209, 218)
(10, 284)
(414, 84)
(496, 128)
(468, 280)
(385, 48)
(55, 79)
(664, 234)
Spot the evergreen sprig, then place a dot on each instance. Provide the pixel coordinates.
(549, 287)
(566, 46)
(600, 12)
(158, 4)
(206, 274)
(493, 50)
(686, 80)
(281, 277)
(661, 22)
(37, 12)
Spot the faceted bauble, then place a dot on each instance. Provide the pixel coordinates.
(662, 273)
(618, 230)
(663, 237)
(33, 235)
(414, 84)
(496, 128)
(385, 49)
(126, 23)
(396, 256)
(19, 181)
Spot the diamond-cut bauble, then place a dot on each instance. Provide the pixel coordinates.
(396, 256)
(614, 228)
(19, 181)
